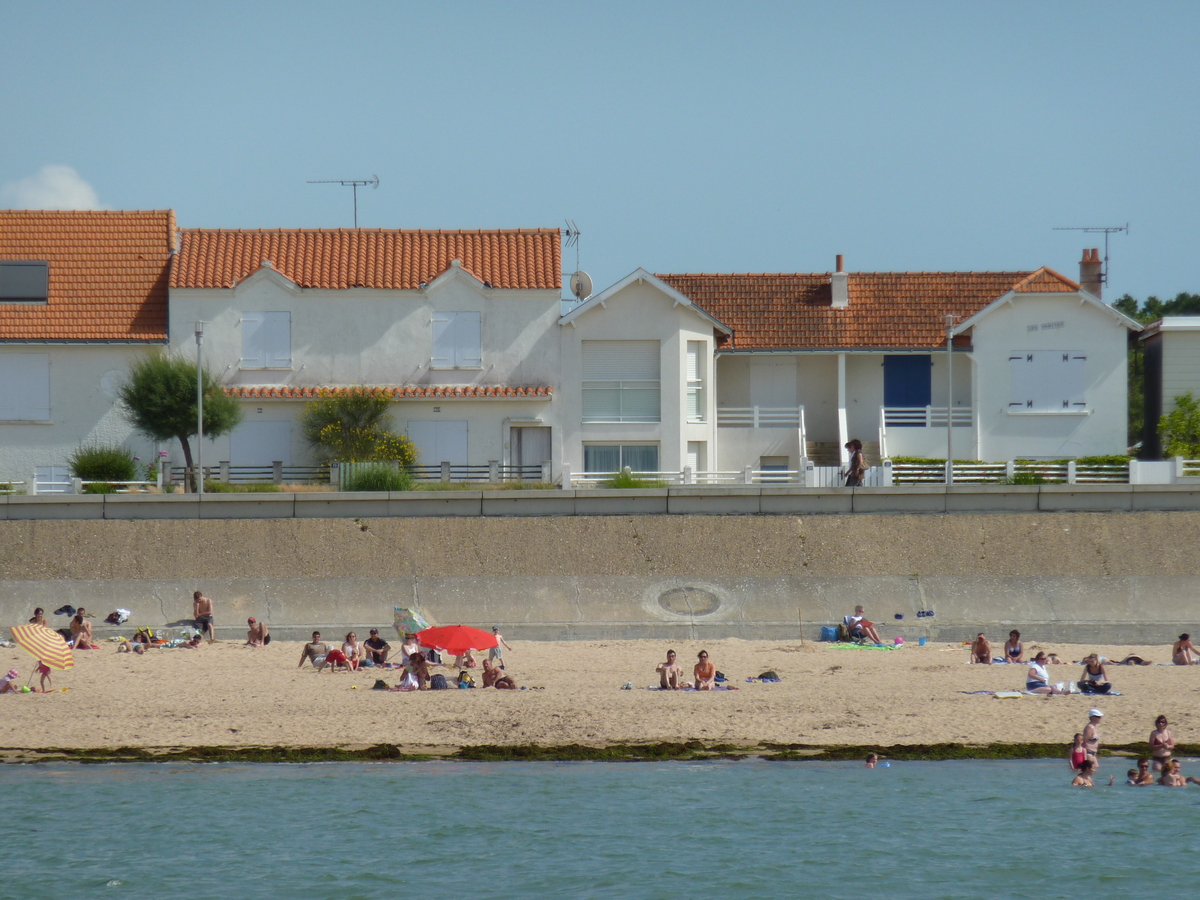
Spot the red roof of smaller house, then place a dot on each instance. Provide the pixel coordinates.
(349, 258)
(887, 310)
(403, 392)
(107, 273)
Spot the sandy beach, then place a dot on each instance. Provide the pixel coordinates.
(230, 695)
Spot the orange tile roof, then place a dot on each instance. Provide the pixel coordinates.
(404, 392)
(888, 310)
(108, 274)
(346, 258)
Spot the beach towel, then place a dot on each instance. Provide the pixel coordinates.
(718, 687)
(845, 646)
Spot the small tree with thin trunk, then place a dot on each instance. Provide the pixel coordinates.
(160, 400)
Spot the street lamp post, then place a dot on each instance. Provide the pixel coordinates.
(199, 407)
(949, 399)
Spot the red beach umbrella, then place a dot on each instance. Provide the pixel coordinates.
(456, 639)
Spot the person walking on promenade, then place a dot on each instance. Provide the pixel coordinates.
(856, 467)
(202, 612)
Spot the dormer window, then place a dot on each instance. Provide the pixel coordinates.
(24, 281)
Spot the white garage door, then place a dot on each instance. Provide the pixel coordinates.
(260, 444)
(439, 442)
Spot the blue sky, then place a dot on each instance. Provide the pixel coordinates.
(682, 137)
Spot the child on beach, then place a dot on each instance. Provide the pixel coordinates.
(1078, 754)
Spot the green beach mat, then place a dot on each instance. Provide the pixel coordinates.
(865, 646)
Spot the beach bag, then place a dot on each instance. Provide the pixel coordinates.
(437, 682)
(843, 633)
(380, 685)
(829, 633)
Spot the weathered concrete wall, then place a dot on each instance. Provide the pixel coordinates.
(1112, 577)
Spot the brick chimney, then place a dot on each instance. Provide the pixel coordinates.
(838, 283)
(1089, 272)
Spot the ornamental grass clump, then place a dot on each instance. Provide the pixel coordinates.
(380, 477)
(105, 465)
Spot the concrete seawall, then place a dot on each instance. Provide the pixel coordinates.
(1105, 577)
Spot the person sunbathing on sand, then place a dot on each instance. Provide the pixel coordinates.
(705, 672)
(418, 668)
(1014, 650)
(1184, 653)
(316, 650)
(670, 673)
(136, 644)
(1037, 681)
(258, 634)
(193, 643)
(981, 650)
(81, 632)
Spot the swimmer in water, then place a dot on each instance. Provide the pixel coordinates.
(1084, 778)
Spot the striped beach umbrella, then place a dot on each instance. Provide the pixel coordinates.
(45, 644)
(408, 621)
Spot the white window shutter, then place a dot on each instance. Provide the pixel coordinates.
(278, 340)
(443, 341)
(25, 387)
(468, 335)
(253, 354)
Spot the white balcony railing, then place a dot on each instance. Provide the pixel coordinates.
(760, 416)
(925, 416)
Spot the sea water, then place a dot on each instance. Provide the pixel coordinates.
(750, 829)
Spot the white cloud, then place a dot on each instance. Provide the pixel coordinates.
(53, 187)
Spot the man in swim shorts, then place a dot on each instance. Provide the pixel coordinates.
(316, 650)
(202, 612)
(670, 673)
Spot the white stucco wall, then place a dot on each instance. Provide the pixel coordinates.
(642, 312)
(1180, 361)
(373, 337)
(1051, 322)
(83, 408)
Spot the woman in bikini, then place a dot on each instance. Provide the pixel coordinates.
(705, 672)
(1184, 652)
(353, 650)
(1094, 679)
(1014, 650)
(1162, 743)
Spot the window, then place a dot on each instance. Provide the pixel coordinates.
(24, 281)
(620, 381)
(267, 340)
(456, 341)
(1048, 381)
(615, 457)
(25, 387)
(696, 408)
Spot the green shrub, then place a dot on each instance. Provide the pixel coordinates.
(1027, 478)
(1102, 461)
(221, 487)
(103, 464)
(629, 480)
(380, 477)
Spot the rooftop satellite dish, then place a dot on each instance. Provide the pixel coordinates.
(581, 285)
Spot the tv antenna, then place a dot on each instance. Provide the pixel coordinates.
(1106, 230)
(355, 184)
(581, 282)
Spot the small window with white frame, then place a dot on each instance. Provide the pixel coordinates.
(24, 387)
(696, 406)
(457, 341)
(1048, 381)
(266, 340)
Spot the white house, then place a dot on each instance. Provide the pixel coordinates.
(1172, 368)
(82, 294)
(808, 361)
(457, 325)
